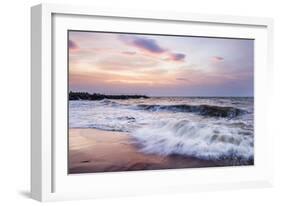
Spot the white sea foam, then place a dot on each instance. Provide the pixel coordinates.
(202, 140)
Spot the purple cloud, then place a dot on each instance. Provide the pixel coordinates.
(148, 44)
(72, 45)
(177, 56)
(151, 46)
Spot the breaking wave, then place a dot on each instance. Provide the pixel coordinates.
(205, 110)
(205, 141)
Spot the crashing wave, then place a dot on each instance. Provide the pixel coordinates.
(204, 110)
(205, 141)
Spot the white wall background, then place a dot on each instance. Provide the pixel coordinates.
(15, 95)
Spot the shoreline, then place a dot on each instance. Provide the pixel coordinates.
(94, 150)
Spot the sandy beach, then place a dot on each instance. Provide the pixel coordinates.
(93, 150)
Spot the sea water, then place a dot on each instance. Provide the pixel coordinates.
(208, 128)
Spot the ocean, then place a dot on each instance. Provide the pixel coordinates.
(211, 128)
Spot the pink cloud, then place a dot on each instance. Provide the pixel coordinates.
(217, 58)
(129, 52)
(177, 57)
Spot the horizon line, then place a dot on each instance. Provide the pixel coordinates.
(156, 95)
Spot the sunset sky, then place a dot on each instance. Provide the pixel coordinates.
(153, 65)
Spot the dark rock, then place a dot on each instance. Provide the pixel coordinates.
(95, 96)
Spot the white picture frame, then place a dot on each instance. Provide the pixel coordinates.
(49, 179)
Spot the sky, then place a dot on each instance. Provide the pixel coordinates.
(158, 65)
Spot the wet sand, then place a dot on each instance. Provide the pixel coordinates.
(93, 150)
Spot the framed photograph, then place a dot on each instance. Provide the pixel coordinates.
(134, 102)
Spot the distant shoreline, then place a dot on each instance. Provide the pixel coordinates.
(96, 96)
